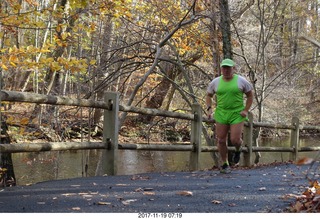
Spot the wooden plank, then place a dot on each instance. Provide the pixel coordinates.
(156, 147)
(272, 149)
(156, 112)
(254, 149)
(247, 141)
(65, 146)
(196, 130)
(14, 96)
(306, 149)
(294, 138)
(111, 133)
(50, 146)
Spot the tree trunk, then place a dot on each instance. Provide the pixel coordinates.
(225, 29)
(214, 35)
(161, 91)
(106, 34)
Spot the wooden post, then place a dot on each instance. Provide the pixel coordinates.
(247, 141)
(110, 134)
(196, 127)
(294, 142)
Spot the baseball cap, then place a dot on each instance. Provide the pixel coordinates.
(227, 62)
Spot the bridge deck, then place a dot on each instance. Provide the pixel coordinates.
(260, 189)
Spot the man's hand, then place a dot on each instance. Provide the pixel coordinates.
(244, 113)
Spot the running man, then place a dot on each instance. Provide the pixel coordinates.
(230, 112)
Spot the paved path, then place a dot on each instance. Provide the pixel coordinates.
(257, 190)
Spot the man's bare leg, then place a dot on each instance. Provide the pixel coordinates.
(236, 140)
(222, 134)
(236, 134)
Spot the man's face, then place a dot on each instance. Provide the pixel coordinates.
(227, 72)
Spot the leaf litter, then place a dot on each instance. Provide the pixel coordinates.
(309, 200)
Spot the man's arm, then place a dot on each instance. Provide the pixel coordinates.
(249, 102)
(209, 104)
(209, 99)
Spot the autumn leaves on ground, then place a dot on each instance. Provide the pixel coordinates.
(309, 200)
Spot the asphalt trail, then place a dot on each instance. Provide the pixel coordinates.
(256, 190)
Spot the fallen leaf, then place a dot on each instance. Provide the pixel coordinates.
(128, 202)
(104, 203)
(149, 193)
(185, 193)
(232, 205)
(87, 196)
(121, 184)
(293, 196)
(76, 208)
(297, 206)
(315, 184)
(68, 194)
(308, 193)
(138, 190)
(304, 161)
(316, 199)
(216, 202)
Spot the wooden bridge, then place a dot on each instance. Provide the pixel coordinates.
(110, 143)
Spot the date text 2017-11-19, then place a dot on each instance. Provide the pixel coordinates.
(159, 215)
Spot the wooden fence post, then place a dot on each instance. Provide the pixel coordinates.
(294, 141)
(196, 127)
(110, 134)
(247, 141)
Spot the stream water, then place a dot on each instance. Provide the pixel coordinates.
(37, 167)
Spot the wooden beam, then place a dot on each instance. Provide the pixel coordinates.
(156, 147)
(51, 146)
(14, 96)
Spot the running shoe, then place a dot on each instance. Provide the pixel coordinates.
(236, 157)
(225, 168)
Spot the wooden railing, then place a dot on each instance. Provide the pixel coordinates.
(110, 142)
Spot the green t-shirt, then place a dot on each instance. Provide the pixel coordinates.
(230, 93)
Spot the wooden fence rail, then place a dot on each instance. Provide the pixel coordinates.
(110, 142)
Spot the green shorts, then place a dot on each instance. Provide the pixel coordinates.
(228, 117)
